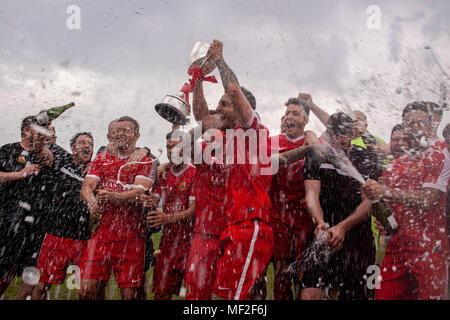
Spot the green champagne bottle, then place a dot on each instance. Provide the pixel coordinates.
(44, 117)
(382, 213)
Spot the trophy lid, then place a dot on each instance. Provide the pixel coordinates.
(174, 109)
(198, 53)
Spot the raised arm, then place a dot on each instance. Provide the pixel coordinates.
(318, 112)
(199, 105)
(231, 84)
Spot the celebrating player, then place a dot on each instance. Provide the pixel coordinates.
(119, 243)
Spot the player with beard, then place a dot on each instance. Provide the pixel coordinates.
(247, 241)
(24, 167)
(415, 264)
(68, 232)
(290, 221)
(119, 242)
(334, 201)
(176, 191)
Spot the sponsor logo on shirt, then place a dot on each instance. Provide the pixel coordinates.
(182, 186)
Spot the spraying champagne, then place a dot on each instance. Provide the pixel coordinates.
(44, 117)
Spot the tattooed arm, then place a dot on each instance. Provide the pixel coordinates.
(199, 105)
(231, 84)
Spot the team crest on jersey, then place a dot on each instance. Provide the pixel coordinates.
(182, 185)
(22, 159)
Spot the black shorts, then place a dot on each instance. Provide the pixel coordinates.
(345, 270)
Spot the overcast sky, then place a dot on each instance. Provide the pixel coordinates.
(128, 55)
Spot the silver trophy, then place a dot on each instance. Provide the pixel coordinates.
(175, 108)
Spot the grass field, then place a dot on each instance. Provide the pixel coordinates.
(61, 292)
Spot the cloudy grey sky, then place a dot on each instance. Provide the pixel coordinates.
(129, 54)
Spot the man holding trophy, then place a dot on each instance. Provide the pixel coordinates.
(245, 244)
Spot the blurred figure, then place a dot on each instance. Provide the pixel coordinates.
(68, 232)
(290, 220)
(176, 192)
(341, 215)
(24, 169)
(119, 243)
(415, 263)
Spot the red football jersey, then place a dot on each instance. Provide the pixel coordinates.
(210, 194)
(420, 230)
(248, 178)
(287, 191)
(120, 222)
(175, 192)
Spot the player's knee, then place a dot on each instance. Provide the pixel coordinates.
(40, 291)
(88, 292)
(311, 294)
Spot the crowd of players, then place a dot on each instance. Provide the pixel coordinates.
(223, 223)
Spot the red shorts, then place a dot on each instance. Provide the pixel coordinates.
(124, 258)
(56, 255)
(288, 245)
(170, 268)
(413, 276)
(246, 250)
(202, 267)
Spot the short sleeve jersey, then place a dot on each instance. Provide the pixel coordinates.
(340, 195)
(249, 175)
(420, 229)
(68, 213)
(175, 192)
(287, 191)
(23, 200)
(119, 221)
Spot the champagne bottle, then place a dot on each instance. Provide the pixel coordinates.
(382, 213)
(44, 117)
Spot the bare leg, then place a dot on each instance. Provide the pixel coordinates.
(259, 288)
(25, 291)
(282, 289)
(129, 293)
(312, 294)
(40, 291)
(89, 289)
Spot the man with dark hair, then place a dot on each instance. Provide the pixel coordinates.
(415, 264)
(176, 192)
(119, 243)
(247, 239)
(362, 139)
(341, 216)
(290, 220)
(24, 167)
(68, 232)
